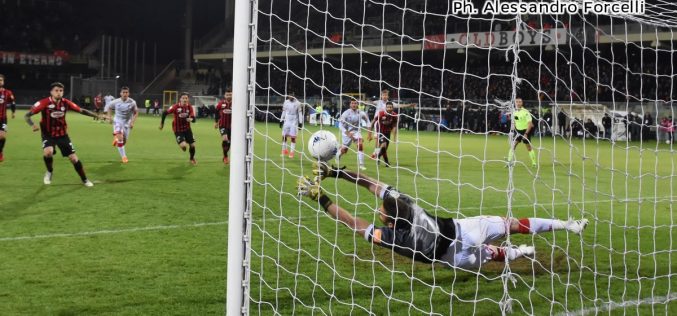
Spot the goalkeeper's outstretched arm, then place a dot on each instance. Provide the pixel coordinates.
(374, 186)
(312, 190)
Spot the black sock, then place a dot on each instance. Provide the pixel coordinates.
(49, 162)
(385, 155)
(226, 147)
(2, 144)
(80, 170)
(191, 150)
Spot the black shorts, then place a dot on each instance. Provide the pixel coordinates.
(186, 136)
(523, 136)
(384, 138)
(3, 125)
(64, 143)
(225, 131)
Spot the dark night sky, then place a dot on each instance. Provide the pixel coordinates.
(158, 21)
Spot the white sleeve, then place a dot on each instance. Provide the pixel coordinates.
(284, 111)
(342, 122)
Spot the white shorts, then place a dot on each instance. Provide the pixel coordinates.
(347, 140)
(289, 129)
(121, 127)
(470, 250)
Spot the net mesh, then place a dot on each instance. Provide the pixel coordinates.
(600, 90)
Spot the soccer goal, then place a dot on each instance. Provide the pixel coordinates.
(307, 245)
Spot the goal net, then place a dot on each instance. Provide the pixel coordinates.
(446, 74)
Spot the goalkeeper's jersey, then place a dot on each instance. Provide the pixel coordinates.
(417, 235)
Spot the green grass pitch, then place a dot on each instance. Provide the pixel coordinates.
(150, 236)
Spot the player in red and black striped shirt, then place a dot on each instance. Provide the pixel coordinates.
(222, 120)
(55, 130)
(183, 116)
(6, 98)
(384, 123)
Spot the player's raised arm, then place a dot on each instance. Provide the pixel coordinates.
(80, 110)
(323, 170)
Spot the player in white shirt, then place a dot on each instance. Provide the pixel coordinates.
(108, 99)
(291, 121)
(126, 113)
(349, 124)
(385, 98)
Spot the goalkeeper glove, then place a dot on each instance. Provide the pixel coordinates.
(300, 125)
(322, 170)
(281, 123)
(309, 188)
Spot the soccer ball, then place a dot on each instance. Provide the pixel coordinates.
(323, 145)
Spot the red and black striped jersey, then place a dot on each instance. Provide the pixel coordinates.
(224, 113)
(6, 98)
(183, 114)
(98, 102)
(53, 122)
(386, 121)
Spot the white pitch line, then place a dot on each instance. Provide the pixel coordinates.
(615, 305)
(167, 227)
(118, 231)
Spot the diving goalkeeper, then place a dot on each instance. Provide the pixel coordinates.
(414, 233)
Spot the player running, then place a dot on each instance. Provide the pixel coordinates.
(183, 116)
(54, 130)
(291, 121)
(126, 112)
(222, 122)
(412, 232)
(384, 124)
(6, 99)
(349, 124)
(524, 127)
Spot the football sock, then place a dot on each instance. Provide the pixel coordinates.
(2, 144)
(191, 150)
(226, 147)
(538, 225)
(532, 155)
(121, 149)
(48, 163)
(80, 170)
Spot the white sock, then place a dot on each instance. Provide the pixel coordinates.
(360, 157)
(122, 152)
(377, 151)
(539, 225)
(292, 146)
(284, 146)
